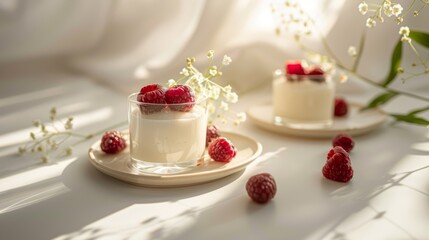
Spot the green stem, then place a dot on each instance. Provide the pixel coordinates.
(417, 54)
(413, 75)
(209, 66)
(416, 111)
(360, 51)
(323, 38)
(371, 82)
(409, 9)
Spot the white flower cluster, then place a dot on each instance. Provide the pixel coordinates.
(292, 18)
(405, 32)
(386, 8)
(389, 9)
(352, 51)
(218, 97)
(49, 137)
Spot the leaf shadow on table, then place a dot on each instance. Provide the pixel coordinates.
(375, 175)
(376, 200)
(109, 196)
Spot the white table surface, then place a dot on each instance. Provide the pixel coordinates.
(388, 197)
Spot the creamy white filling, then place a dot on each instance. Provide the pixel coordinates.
(303, 100)
(168, 137)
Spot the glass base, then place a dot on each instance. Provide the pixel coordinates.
(301, 124)
(163, 168)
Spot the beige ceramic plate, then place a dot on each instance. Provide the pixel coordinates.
(118, 165)
(356, 122)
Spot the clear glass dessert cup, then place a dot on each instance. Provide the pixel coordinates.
(166, 138)
(303, 101)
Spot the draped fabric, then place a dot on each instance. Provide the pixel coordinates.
(133, 42)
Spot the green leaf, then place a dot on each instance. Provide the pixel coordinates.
(410, 119)
(380, 100)
(395, 63)
(419, 110)
(420, 38)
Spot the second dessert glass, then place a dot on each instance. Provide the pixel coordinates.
(303, 101)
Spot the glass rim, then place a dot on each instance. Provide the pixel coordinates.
(132, 99)
(326, 77)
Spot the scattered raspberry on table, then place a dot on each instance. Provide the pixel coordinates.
(112, 142)
(338, 165)
(261, 188)
(343, 140)
(222, 150)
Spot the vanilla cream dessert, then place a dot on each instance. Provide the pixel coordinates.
(168, 137)
(303, 100)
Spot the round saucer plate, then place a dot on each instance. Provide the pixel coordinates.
(118, 165)
(356, 122)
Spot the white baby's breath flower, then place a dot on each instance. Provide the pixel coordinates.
(387, 4)
(388, 11)
(210, 54)
(211, 108)
(404, 31)
(370, 23)
(218, 97)
(226, 60)
(171, 83)
(214, 92)
(213, 72)
(227, 88)
(224, 106)
(232, 97)
(352, 51)
(241, 116)
(185, 72)
(363, 8)
(406, 39)
(397, 9)
(199, 78)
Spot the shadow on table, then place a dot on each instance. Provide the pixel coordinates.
(377, 171)
(293, 214)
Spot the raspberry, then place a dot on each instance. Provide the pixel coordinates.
(338, 166)
(180, 94)
(341, 107)
(154, 96)
(344, 141)
(294, 67)
(112, 142)
(261, 188)
(222, 150)
(316, 71)
(337, 149)
(211, 134)
(150, 88)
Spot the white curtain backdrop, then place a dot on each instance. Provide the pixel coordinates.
(129, 43)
